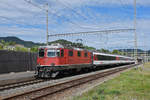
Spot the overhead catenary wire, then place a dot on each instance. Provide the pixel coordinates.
(29, 1)
(66, 5)
(78, 13)
(67, 19)
(12, 20)
(16, 22)
(35, 5)
(77, 25)
(93, 32)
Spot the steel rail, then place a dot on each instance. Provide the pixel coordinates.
(20, 84)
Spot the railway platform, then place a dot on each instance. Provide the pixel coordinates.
(11, 78)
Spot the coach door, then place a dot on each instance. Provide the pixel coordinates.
(63, 58)
(92, 57)
(70, 56)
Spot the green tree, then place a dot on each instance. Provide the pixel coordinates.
(21, 49)
(89, 48)
(116, 52)
(34, 49)
(12, 43)
(104, 50)
(3, 42)
(1, 47)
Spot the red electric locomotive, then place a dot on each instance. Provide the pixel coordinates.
(53, 59)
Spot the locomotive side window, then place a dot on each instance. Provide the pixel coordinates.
(41, 52)
(79, 54)
(70, 53)
(62, 52)
(85, 54)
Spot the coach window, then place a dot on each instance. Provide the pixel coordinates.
(98, 57)
(114, 58)
(71, 53)
(62, 52)
(102, 57)
(121, 58)
(110, 58)
(79, 54)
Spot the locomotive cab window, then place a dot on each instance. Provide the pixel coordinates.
(41, 52)
(53, 53)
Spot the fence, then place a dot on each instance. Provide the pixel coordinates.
(11, 61)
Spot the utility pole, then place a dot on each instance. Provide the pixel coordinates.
(145, 56)
(47, 22)
(135, 34)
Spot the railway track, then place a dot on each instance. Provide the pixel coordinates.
(61, 86)
(20, 84)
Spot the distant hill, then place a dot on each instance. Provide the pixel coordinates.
(19, 41)
(31, 44)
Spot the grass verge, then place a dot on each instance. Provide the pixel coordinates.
(130, 85)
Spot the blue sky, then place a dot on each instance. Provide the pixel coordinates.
(28, 22)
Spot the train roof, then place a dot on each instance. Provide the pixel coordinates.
(52, 46)
(98, 53)
(57, 46)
